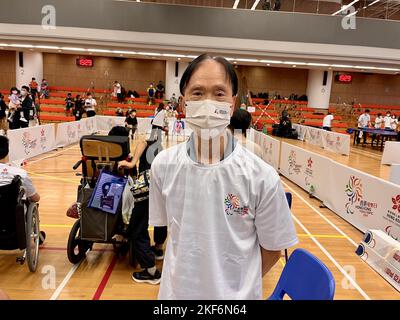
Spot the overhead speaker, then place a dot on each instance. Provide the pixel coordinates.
(176, 69)
(21, 59)
(324, 82)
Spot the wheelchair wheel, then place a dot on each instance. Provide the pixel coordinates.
(77, 248)
(32, 237)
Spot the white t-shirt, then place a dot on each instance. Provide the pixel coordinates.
(378, 122)
(363, 120)
(159, 119)
(327, 122)
(394, 124)
(388, 121)
(90, 104)
(7, 174)
(217, 215)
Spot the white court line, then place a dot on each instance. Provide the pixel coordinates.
(61, 287)
(352, 281)
(50, 155)
(320, 214)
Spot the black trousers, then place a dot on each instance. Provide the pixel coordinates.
(139, 234)
(90, 113)
(327, 128)
(160, 235)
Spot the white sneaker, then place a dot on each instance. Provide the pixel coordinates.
(23, 119)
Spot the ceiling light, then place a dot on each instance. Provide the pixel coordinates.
(388, 69)
(318, 64)
(294, 62)
(148, 54)
(123, 52)
(192, 57)
(3, 44)
(21, 45)
(247, 60)
(100, 50)
(342, 66)
(47, 47)
(73, 49)
(364, 67)
(270, 61)
(172, 55)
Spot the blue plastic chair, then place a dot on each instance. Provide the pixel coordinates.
(304, 277)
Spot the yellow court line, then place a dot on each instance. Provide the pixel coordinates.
(282, 262)
(53, 178)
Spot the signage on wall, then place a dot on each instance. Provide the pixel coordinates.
(344, 78)
(84, 62)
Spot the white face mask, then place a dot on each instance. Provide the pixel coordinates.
(208, 118)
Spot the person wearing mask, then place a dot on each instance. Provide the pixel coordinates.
(44, 89)
(379, 121)
(138, 232)
(388, 120)
(160, 90)
(151, 92)
(116, 89)
(158, 123)
(239, 124)
(78, 110)
(16, 116)
(3, 116)
(173, 101)
(327, 122)
(394, 123)
(364, 121)
(225, 208)
(27, 107)
(131, 122)
(90, 105)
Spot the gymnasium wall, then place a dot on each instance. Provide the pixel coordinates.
(136, 74)
(282, 80)
(372, 89)
(7, 69)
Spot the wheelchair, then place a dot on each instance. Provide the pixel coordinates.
(19, 224)
(92, 225)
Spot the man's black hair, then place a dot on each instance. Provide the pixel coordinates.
(26, 88)
(119, 131)
(195, 64)
(4, 147)
(367, 111)
(241, 119)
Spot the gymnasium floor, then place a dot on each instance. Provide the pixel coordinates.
(102, 276)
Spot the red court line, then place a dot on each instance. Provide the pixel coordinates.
(105, 279)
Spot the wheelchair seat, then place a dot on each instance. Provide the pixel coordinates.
(19, 224)
(12, 217)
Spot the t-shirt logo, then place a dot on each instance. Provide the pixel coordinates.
(232, 206)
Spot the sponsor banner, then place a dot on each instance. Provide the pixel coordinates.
(329, 140)
(29, 142)
(270, 147)
(365, 201)
(391, 153)
(87, 126)
(105, 123)
(67, 133)
(307, 169)
(389, 272)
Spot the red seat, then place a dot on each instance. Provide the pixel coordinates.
(46, 117)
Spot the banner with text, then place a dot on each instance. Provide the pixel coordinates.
(29, 142)
(270, 147)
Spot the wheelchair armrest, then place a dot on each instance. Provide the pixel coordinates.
(20, 195)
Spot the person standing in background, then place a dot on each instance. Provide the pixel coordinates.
(90, 105)
(151, 92)
(33, 85)
(388, 120)
(364, 121)
(27, 107)
(78, 110)
(3, 116)
(378, 121)
(160, 89)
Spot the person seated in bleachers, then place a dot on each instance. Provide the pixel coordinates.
(160, 90)
(44, 89)
(8, 172)
(239, 124)
(151, 92)
(327, 122)
(119, 112)
(69, 104)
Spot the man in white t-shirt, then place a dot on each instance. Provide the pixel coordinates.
(364, 121)
(388, 120)
(394, 123)
(158, 123)
(90, 105)
(225, 208)
(327, 122)
(8, 173)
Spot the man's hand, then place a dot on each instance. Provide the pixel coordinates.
(125, 165)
